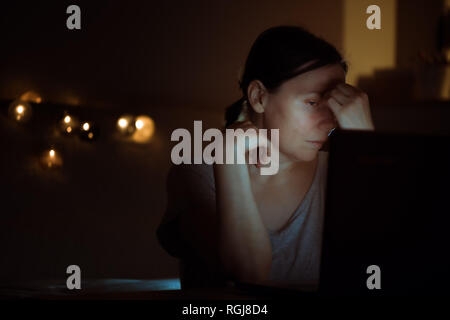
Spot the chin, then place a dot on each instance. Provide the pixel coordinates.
(305, 155)
(310, 156)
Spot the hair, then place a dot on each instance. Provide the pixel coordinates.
(275, 57)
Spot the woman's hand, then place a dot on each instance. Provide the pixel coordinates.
(256, 148)
(351, 107)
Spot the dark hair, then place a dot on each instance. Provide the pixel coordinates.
(276, 55)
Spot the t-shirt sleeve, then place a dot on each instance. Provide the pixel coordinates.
(185, 185)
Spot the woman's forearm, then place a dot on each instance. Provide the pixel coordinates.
(244, 243)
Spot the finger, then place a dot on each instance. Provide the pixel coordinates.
(240, 124)
(347, 89)
(260, 153)
(252, 156)
(340, 96)
(334, 106)
(263, 155)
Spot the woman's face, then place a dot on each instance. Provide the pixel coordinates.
(299, 109)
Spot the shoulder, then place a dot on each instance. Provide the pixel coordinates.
(188, 186)
(323, 165)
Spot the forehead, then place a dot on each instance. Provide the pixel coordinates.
(317, 80)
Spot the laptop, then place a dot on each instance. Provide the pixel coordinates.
(387, 215)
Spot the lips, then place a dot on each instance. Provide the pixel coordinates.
(317, 144)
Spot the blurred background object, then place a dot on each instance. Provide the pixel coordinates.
(433, 69)
(20, 110)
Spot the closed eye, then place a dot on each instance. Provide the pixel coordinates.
(313, 103)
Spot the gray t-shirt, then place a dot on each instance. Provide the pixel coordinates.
(296, 248)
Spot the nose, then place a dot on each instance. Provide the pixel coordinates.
(327, 120)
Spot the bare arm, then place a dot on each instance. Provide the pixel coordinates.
(229, 235)
(244, 244)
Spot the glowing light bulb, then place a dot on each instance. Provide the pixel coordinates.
(123, 123)
(20, 109)
(89, 132)
(139, 124)
(51, 159)
(126, 124)
(68, 123)
(145, 128)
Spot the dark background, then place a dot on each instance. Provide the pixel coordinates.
(175, 61)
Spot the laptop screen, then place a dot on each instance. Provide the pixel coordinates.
(386, 214)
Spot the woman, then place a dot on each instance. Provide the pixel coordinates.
(229, 222)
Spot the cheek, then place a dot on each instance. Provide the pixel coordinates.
(310, 120)
(293, 120)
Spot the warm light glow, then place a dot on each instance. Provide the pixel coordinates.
(68, 123)
(139, 124)
(126, 124)
(31, 96)
(20, 112)
(51, 159)
(85, 126)
(145, 129)
(361, 45)
(123, 123)
(20, 109)
(90, 135)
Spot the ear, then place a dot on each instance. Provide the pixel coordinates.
(257, 96)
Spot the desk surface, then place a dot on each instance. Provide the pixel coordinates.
(137, 289)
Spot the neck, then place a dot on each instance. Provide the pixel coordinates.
(287, 168)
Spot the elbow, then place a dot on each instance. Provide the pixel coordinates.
(255, 276)
(250, 273)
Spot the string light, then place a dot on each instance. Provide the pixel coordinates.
(139, 124)
(51, 159)
(139, 129)
(86, 126)
(123, 123)
(20, 110)
(145, 128)
(68, 123)
(88, 131)
(126, 124)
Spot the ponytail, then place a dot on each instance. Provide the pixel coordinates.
(233, 111)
